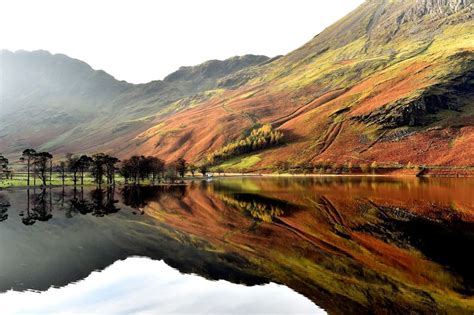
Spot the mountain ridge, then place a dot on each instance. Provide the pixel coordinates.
(70, 96)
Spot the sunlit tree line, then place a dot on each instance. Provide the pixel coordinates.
(258, 139)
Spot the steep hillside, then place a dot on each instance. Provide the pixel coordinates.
(57, 103)
(390, 82)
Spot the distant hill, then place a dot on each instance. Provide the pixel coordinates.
(392, 82)
(54, 102)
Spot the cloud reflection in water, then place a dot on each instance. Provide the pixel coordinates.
(142, 285)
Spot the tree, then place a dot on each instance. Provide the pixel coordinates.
(62, 167)
(131, 169)
(157, 167)
(110, 168)
(181, 166)
(282, 166)
(41, 163)
(220, 170)
(28, 156)
(374, 167)
(203, 169)
(349, 167)
(83, 164)
(364, 168)
(171, 173)
(73, 166)
(192, 168)
(3, 164)
(98, 167)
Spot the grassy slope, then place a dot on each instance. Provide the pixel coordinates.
(378, 63)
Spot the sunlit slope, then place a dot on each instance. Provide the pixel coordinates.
(390, 82)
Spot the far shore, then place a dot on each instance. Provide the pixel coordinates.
(185, 181)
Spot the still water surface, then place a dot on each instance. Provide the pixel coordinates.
(241, 245)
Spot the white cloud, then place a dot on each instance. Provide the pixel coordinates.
(143, 40)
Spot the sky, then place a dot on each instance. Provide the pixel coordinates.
(143, 40)
(143, 286)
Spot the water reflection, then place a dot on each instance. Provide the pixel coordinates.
(40, 205)
(349, 245)
(4, 205)
(139, 285)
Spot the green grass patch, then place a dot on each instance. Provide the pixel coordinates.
(239, 163)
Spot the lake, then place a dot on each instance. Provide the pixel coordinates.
(336, 245)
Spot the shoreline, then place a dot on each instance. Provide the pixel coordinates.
(186, 181)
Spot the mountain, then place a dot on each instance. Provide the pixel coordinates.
(392, 82)
(54, 102)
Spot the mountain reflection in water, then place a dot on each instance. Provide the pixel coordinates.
(350, 245)
(140, 285)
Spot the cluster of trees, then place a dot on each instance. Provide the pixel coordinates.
(140, 168)
(260, 209)
(325, 167)
(99, 165)
(102, 168)
(259, 138)
(337, 168)
(40, 164)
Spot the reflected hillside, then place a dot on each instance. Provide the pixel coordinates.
(351, 245)
(88, 230)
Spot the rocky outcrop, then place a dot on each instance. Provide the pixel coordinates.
(419, 110)
(439, 8)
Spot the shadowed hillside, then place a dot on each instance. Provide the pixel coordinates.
(61, 104)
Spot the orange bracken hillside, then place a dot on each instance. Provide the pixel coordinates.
(397, 88)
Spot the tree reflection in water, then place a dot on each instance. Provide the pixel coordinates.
(138, 197)
(4, 205)
(40, 205)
